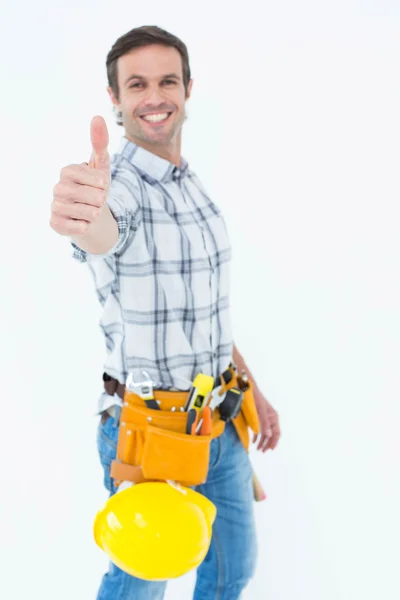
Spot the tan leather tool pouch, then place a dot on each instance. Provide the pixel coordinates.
(156, 441)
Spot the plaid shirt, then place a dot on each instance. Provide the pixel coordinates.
(164, 286)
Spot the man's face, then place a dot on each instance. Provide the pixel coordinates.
(152, 95)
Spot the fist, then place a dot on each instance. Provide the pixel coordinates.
(80, 195)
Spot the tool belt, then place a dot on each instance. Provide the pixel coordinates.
(153, 444)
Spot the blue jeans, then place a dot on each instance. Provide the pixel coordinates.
(231, 559)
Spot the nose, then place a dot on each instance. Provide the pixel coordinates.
(154, 96)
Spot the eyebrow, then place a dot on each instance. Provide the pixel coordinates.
(168, 76)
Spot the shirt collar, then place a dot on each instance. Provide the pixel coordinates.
(151, 165)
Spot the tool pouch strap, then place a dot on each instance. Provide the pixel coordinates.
(249, 409)
(248, 416)
(122, 472)
(153, 444)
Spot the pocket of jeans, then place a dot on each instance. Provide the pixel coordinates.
(107, 437)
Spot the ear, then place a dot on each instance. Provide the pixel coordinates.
(189, 90)
(113, 98)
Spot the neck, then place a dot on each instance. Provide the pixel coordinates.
(171, 153)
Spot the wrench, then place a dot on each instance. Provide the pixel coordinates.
(144, 389)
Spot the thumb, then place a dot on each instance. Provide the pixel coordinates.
(100, 158)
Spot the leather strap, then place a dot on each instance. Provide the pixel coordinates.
(122, 472)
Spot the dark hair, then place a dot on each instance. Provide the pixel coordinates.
(138, 38)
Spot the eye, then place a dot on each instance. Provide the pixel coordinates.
(135, 85)
(169, 81)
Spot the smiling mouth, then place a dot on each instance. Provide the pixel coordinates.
(157, 119)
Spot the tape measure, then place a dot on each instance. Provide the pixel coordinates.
(201, 387)
(231, 405)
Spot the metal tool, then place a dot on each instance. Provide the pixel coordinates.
(144, 389)
(216, 396)
(221, 394)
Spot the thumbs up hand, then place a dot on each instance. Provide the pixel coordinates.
(79, 198)
(100, 158)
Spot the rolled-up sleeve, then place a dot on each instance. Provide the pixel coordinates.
(124, 203)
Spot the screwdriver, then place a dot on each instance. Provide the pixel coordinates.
(206, 421)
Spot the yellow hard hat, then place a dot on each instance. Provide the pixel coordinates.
(156, 531)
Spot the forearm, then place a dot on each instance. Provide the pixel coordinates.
(241, 365)
(101, 236)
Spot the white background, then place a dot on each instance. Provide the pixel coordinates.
(294, 129)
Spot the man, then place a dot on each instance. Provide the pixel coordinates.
(159, 253)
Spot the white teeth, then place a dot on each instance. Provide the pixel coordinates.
(156, 118)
